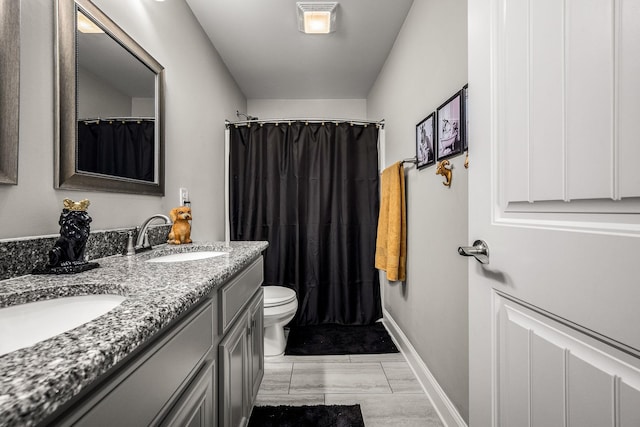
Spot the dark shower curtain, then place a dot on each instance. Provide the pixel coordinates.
(311, 191)
(119, 148)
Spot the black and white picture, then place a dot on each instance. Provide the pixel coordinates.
(465, 114)
(449, 127)
(425, 147)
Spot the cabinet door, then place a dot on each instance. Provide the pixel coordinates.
(196, 407)
(256, 345)
(233, 354)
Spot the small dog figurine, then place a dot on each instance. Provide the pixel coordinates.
(444, 169)
(181, 229)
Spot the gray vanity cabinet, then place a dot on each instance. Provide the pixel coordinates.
(144, 390)
(202, 371)
(241, 355)
(241, 351)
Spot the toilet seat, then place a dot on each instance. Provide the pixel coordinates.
(275, 296)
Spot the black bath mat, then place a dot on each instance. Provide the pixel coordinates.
(318, 340)
(311, 416)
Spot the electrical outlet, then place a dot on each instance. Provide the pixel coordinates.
(184, 195)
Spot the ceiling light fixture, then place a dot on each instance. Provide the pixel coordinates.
(317, 17)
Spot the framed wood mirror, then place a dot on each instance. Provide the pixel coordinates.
(9, 90)
(109, 106)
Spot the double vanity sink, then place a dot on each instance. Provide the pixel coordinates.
(64, 335)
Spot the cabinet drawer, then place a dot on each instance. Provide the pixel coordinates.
(238, 292)
(137, 396)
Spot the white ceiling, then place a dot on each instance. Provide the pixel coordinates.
(270, 59)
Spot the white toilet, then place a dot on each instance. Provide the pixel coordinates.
(280, 305)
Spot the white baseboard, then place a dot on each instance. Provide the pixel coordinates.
(440, 401)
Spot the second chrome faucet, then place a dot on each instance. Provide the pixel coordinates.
(142, 242)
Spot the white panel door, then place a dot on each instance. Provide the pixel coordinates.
(554, 190)
(550, 374)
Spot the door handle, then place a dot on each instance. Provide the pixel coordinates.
(479, 250)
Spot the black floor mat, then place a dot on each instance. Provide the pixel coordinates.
(339, 339)
(312, 416)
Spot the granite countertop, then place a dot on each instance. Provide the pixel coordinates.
(37, 380)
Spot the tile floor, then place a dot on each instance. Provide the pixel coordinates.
(383, 385)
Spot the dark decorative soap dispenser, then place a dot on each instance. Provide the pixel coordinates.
(67, 254)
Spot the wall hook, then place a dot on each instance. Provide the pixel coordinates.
(444, 169)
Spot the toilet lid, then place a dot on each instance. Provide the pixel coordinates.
(277, 295)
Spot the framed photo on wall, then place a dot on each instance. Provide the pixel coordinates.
(425, 142)
(465, 114)
(449, 127)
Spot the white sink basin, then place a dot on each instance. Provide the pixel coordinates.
(187, 256)
(27, 324)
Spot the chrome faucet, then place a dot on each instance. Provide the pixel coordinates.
(142, 242)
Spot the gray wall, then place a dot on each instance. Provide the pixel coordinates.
(427, 64)
(308, 108)
(200, 94)
(97, 98)
(143, 107)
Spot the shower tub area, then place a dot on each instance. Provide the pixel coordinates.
(311, 189)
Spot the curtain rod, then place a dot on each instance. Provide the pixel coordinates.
(379, 123)
(115, 119)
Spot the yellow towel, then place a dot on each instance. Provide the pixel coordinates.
(391, 243)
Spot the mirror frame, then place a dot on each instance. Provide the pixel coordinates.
(67, 175)
(9, 90)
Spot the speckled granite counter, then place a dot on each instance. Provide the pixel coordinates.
(37, 380)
